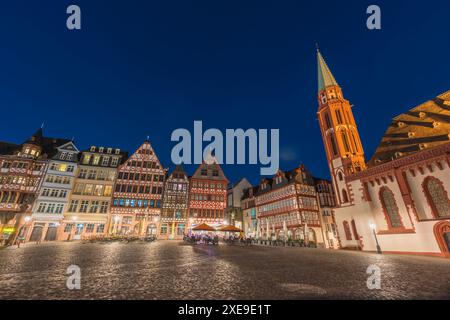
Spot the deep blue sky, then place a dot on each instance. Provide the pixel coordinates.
(141, 68)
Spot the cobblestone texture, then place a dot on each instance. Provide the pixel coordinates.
(174, 270)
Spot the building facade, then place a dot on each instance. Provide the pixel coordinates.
(234, 213)
(327, 204)
(137, 198)
(288, 209)
(22, 168)
(207, 194)
(89, 203)
(175, 213)
(54, 193)
(249, 214)
(398, 201)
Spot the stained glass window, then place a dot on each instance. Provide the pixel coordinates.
(390, 208)
(438, 198)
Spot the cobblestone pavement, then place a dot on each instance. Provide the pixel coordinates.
(175, 270)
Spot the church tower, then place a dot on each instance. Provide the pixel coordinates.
(340, 135)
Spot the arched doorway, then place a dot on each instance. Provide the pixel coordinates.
(36, 234)
(442, 234)
(51, 232)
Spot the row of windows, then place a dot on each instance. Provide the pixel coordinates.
(276, 206)
(280, 193)
(21, 165)
(307, 203)
(69, 156)
(99, 190)
(62, 167)
(89, 227)
(137, 203)
(85, 206)
(206, 213)
(96, 160)
(57, 179)
(21, 180)
(177, 186)
(204, 172)
(50, 207)
(206, 185)
(102, 175)
(176, 198)
(135, 189)
(140, 177)
(54, 193)
(143, 164)
(207, 197)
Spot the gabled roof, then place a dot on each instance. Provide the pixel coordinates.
(423, 127)
(294, 175)
(210, 165)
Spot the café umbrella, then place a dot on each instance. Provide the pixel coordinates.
(230, 229)
(203, 227)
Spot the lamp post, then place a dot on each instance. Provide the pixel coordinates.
(373, 227)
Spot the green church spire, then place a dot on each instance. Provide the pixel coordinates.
(326, 78)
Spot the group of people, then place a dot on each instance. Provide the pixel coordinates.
(214, 239)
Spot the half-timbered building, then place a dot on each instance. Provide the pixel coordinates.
(175, 214)
(137, 198)
(287, 207)
(22, 168)
(207, 194)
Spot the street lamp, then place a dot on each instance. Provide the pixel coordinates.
(27, 219)
(373, 227)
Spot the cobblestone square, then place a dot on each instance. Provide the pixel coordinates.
(175, 270)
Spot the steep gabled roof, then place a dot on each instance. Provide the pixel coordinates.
(423, 127)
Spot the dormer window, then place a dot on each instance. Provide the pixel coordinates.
(117, 151)
(109, 150)
(101, 149)
(324, 98)
(93, 149)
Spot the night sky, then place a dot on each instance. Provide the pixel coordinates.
(141, 68)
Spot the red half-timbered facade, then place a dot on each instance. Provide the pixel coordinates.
(137, 195)
(207, 194)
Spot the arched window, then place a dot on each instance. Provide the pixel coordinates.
(344, 196)
(340, 176)
(327, 121)
(348, 234)
(345, 141)
(355, 231)
(390, 208)
(333, 145)
(339, 116)
(354, 142)
(437, 197)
